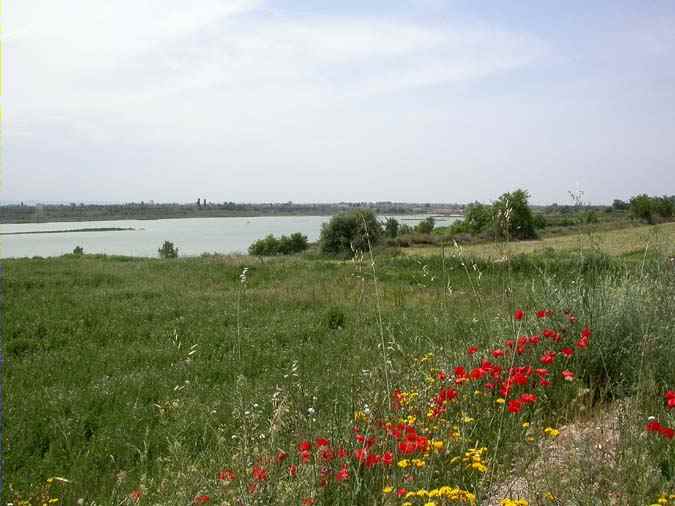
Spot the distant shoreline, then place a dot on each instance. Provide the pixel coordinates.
(102, 229)
(154, 218)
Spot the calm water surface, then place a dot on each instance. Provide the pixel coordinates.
(192, 236)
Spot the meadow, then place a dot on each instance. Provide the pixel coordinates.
(397, 379)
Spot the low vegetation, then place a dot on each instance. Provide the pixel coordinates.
(285, 245)
(446, 379)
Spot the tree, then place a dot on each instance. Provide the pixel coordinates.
(478, 217)
(391, 227)
(513, 216)
(168, 250)
(425, 226)
(619, 205)
(350, 231)
(641, 207)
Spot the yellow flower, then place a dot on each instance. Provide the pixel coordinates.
(500, 401)
(403, 463)
(514, 502)
(526, 425)
(551, 432)
(419, 463)
(430, 503)
(468, 419)
(411, 420)
(387, 489)
(437, 444)
(550, 497)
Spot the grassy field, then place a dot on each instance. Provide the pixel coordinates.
(612, 242)
(141, 380)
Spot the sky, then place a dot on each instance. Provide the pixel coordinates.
(324, 101)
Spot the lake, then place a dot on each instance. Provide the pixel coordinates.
(192, 236)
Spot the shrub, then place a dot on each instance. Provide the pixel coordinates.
(350, 231)
(78, 251)
(426, 226)
(270, 245)
(168, 250)
(391, 227)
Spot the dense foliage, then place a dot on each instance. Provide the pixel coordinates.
(168, 250)
(351, 231)
(285, 245)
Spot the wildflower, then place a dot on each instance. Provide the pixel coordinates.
(548, 357)
(568, 375)
(551, 432)
(201, 499)
(514, 502)
(281, 456)
(304, 446)
(227, 475)
(544, 313)
(322, 442)
(670, 399)
(259, 473)
(582, 342)
(567, 352)
(550, 497)
(403, 463)
(342, 474)
(292, 470)
(518, 315)
(308, 501)
(500, 401)
(400, 492)
(514, 406)
(498, 353)
(388, 489)
(387, 458)
(472, 349)
(135, 495)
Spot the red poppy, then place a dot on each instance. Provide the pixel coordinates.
(548, 357)
(582, 342)
(586, 332)
(136, 495)
(670, 399)
(498, 353)
(568, 375)
(201, 499)
(400, 492)
(528, 398)
(227, 475)
(567, 352)
(308, 501)
(372, 460)
(387, 458)
(653, 426)
(342, 453)
(441, 376)
(514, 406)
(407, 447)
(281, 456)
(305, 456)
(322, 442)
(544, 313)
(304, 446)
(259, 473)
(342, 474)
(472, 350)
(667, 432)
(518, 315)
(292, 470)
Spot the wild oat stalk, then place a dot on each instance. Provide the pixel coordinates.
(379, 313)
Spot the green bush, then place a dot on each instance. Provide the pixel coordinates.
(391, 228)
(350, 231)
(513, 216)
(168, 250)
(271, 246)
(78, 251)
(426, 226)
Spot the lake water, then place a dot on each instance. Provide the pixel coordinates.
(192, 236)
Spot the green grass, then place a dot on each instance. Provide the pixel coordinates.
(121, 371)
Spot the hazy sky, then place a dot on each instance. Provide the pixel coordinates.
(413, 100)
